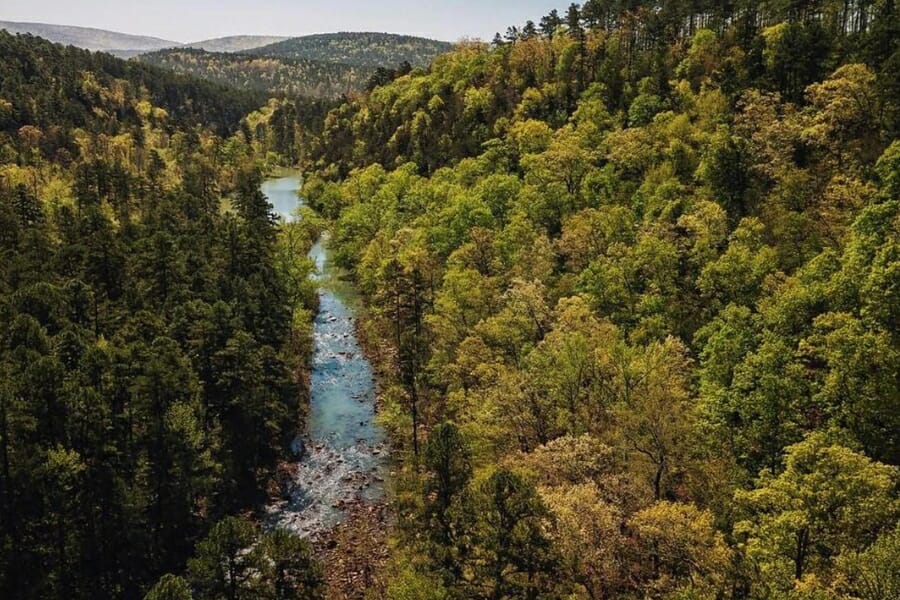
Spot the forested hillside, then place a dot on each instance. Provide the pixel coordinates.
(60, 89)
(316, 66)
(631, 284)
(360, 49)
(151, 334)
(276, 76)
(632, 271)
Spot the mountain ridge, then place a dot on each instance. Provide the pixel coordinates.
(317, 46)
(235, 43)
(359, 48)
(273, 75)
(89, 38)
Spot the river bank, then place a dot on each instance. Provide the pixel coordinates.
(333, 493)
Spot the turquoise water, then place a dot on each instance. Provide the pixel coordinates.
(342, 454)
(282, 193)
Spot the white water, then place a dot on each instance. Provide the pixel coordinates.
(342, 453)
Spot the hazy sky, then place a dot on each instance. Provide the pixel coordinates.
(192, 20)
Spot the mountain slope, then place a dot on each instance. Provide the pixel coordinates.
(236, 43)
(362, 49)
(90, 38)
(637, 279)
(116, 252)
(277, 76)
(44, 84)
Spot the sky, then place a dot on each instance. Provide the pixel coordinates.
(193, 20)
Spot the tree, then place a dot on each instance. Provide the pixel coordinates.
(550, 24)
(448, 461)
(291, 570)
(846, 110)
(227, 563)
(725, 169)
(512, 555)
(888, 169)
(767, 401)
(858, 381)
(564, 369)
(684, 548)
(654, 416)
(587, 531)
(737, 276)
(874, 573)
(170, 587)
(405, 295)
(827, 500)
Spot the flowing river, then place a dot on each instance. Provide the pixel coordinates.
(341, 455)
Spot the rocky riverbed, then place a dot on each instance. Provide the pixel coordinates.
(341, 458)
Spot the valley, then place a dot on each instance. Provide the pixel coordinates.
(605, 307)
(341, 455)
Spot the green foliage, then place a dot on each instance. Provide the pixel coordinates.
(270, 74)
(636, 255)
(513, 557)
(290, 567)
(631, 276)
(447, 457)
(359, 49)
(875, 572)
(828, 499)
(37, 76)
(147, 341)
(235, 561)
(170, 587)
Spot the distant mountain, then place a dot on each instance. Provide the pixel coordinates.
(278, 76)
(315, 66)
(360, 49)
(89, 38)
(236, 43)
(354, 49)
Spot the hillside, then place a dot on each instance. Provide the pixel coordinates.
(126, 45)
(290, 77)
(361, 49)
(606, 309)
(148, 336)
(235, 43)
(317, 66)
(46, 83)
(633, 276)
(90, 38)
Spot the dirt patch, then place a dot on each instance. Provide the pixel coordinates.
(354, 554)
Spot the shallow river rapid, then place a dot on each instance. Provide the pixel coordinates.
(341, 456)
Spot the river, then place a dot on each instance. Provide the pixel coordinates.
(341, 455)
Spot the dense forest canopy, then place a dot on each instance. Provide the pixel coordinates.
(272, 75)
(360, 49)
(631, 57)
(44, 84)
(315, 66)
(631, 275)
(634, 266)
(153, 319)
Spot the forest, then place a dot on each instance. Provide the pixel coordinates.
(324, 67)
(149, 340)
(632, 273)
(631, 282)
(359, 49)
(276, 76)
